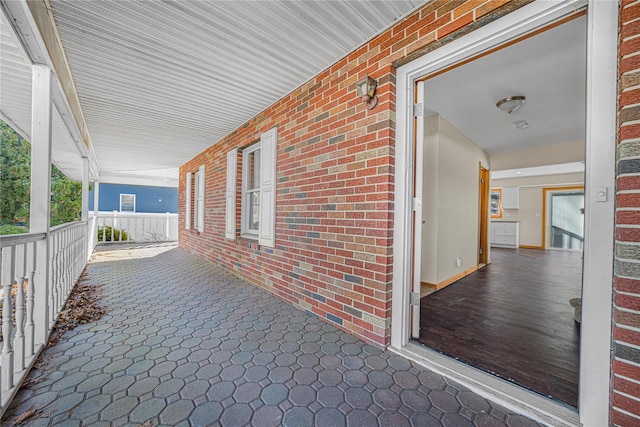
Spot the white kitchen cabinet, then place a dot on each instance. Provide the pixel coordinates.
(510, 198)
(505, 234)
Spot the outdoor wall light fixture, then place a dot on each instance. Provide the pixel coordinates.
(366, 90)
(510, 103)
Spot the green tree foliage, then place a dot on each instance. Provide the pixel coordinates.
(66, 198)
(15, 173)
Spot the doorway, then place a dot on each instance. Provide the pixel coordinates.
(506, 319)
(564, 218)
(602, 39)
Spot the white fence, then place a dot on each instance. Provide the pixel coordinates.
(117, 226)
(37, 278)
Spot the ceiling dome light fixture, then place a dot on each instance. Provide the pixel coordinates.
(521, 124)
(510, 103)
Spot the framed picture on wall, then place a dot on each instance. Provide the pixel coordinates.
(495, 205)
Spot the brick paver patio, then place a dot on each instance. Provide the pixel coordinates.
(185, 343)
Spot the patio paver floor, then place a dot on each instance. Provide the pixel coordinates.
(186, 343)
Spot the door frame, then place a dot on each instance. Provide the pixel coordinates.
(418, 153)
(602, 33)
(483, 215)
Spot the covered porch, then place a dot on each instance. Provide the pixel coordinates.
(186, 343)
(122, 93)
(183, 342)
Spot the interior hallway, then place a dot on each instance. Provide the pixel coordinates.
(513, 319)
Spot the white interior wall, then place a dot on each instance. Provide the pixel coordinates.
(450, 201)
(540, 156)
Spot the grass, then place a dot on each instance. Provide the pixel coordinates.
(12, 229)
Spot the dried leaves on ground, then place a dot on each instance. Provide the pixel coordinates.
(24, 416)
(83, 306)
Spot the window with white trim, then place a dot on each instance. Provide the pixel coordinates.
(194, 200)
(127, 202)
(257, 216)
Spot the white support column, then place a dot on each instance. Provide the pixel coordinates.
(41, 136)
(85, 188)
(92, 225)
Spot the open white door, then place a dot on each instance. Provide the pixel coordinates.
(602, 36)
(418, 220)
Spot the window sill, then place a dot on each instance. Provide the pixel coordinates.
(248, 241)
(250, 237)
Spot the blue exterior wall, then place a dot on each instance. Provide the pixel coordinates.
(148, 199)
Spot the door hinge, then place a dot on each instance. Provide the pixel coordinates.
(417, 110)
(415, 299)
(416, 204)
(480, 251)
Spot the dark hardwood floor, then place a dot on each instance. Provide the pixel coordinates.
(512, 318)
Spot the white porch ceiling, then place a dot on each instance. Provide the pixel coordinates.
(159, 81)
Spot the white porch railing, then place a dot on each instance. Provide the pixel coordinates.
(30, 308)
(25, 317)
(114, 227)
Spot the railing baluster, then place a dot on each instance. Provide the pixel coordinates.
(18, 342)
(166, 226)
(114, 225)
(29, 328)
(65, 268)
(7, 314)
(55, 277)
(68, 265)
(76, 258)
(62, 263)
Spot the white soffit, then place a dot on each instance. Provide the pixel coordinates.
(562, 168)
(548, 68)
(161, 81)
(64, 152)
(15, 102)
(155, 177)
(15, 81)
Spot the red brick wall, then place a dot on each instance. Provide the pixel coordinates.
(334, 220)
(625, 397)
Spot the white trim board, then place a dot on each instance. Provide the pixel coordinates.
(599, 220)
(558, 169)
